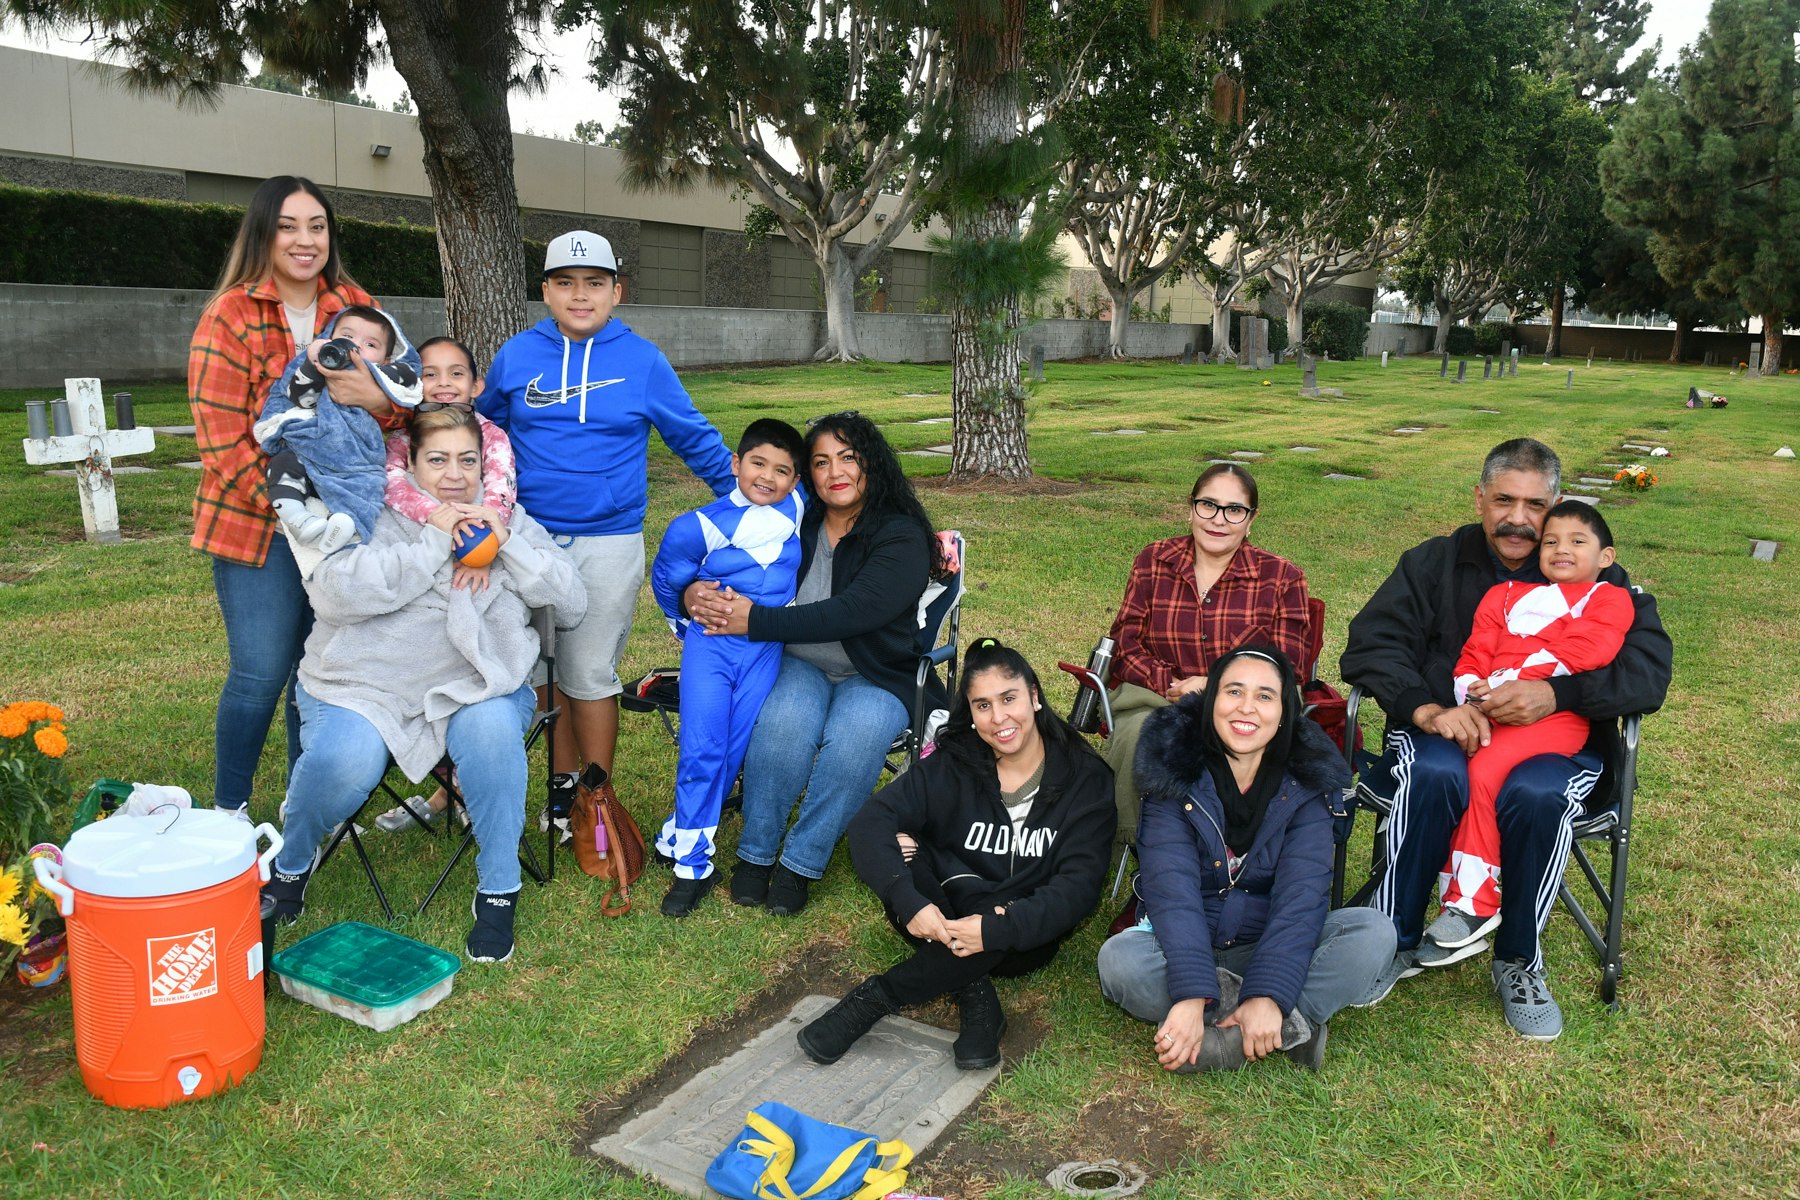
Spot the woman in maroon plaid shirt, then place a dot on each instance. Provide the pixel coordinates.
(1190, 600)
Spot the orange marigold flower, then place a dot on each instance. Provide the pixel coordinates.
(12, 725)
(52, 713)
(51, 742)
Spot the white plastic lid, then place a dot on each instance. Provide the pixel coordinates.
(159, 855)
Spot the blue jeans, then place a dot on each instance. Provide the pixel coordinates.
(1354, 946)
(267, 618)
(822, 739)
(343, 758)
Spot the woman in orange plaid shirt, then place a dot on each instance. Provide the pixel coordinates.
(282, 281)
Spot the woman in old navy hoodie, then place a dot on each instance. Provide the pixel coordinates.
(986, 856)
(578, 395)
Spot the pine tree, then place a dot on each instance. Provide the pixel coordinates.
(1590, 54)
(1708, 166)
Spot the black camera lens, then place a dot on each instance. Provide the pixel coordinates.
(335, 354)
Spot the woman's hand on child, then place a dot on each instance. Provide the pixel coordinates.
(1178, 1038)
(1260, 1019)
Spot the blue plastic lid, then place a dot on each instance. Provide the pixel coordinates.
(367, 965)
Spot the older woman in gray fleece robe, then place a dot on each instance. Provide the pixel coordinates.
(403, 662)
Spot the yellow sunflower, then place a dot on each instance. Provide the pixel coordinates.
(13, 927)
(9, 886)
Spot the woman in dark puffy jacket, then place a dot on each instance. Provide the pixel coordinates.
(1235, 955)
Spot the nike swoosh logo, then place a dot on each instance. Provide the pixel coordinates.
(535, 398)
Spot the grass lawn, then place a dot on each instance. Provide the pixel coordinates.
(1691, 1089)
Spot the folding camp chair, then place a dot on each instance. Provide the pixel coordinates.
(658, 691)
(1608, 820)
(543, 725)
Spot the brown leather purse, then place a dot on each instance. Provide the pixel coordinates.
(597, 807)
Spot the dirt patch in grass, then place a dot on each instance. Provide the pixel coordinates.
(33, 1050)
(990, 486)
(1125, 1125)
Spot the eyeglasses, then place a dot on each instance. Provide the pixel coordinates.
(1235, 514)
(426, 406)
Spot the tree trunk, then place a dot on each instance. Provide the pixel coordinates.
(1553, 342)
(1440, 339)
(458, 73)
(987, 397)
(1120, 326)
(839, 274)
(1682, 325)
(1771, 362)
(1296, 332)
(1221, 333)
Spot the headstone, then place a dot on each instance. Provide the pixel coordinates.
(1340, 475)
(1264, 360)
(1756, 358)
(1309, 379)
(1505, 350)
(1512, 367)
(1570, 382)
(1590, 360)
(1187, 354)
(1707, 360)
(1487, 366)
(1037, 364)
(1384, 360)
(901, 1081)
(1462, 370)
(1444, 366)
(1400, 351)
(1247, 342)
(1764, 551)
(79, 435)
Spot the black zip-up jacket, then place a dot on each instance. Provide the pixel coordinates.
(1403, 645)
(877, 576)
(1048, 878)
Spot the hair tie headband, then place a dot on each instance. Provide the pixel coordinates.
(1268, 658)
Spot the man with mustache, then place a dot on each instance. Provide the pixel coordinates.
(1402, 650)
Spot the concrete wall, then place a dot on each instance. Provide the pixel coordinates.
(1621, 343)
(49, 333)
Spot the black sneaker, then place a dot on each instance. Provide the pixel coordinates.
(491, 941)
(787, 892)
(825, 1039)
(750, 883)
(983, 1024)
(685, 895)
(288, 892)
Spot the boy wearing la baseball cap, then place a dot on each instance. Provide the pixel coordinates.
(578, 394)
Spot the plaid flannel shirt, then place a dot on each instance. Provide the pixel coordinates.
(1167, 631)
(240, 348)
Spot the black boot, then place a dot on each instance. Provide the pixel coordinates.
(826, 1039)
(983, 1024)
(1303, 1042)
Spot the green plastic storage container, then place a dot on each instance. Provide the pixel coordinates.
(372, 976)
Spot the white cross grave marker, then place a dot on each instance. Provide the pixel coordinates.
(91, 447)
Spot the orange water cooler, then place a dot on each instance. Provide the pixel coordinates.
(165, 952)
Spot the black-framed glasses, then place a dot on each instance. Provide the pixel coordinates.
(426, 406)
(1234, 514)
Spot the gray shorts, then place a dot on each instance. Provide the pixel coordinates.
(587, 657)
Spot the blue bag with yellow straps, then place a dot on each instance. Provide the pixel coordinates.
(781, 1154)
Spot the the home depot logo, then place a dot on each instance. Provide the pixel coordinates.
(183, 968)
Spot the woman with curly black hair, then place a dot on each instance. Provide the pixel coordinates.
(846, 682)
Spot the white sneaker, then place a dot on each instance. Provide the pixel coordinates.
(402, 816)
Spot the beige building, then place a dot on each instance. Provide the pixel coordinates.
(71, 123)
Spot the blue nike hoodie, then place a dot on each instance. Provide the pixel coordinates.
(579, 414)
